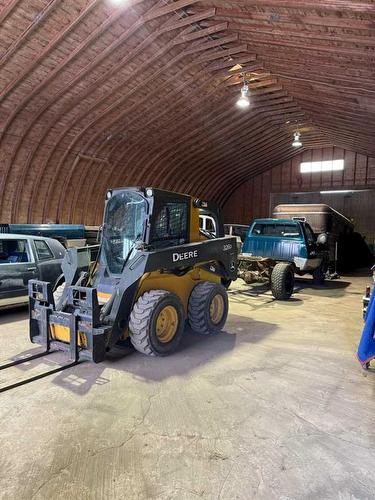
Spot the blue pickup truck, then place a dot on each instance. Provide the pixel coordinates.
(276, 249)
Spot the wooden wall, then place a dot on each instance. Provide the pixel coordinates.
(257, 196)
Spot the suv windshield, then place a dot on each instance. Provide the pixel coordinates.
(278, 230)
(123, 225)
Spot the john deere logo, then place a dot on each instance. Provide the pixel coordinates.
(185, 255)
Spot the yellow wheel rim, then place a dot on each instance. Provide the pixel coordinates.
(216, 309)
(166, 324)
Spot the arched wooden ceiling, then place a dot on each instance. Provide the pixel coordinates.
(103, 93)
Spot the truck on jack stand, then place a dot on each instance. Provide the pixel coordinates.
(275, 250)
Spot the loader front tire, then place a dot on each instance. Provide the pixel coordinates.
(208, 308)
(157, 323)
(282, 281)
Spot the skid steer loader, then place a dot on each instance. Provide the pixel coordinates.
(154, 271)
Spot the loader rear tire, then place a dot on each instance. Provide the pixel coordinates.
(157, 323)
(282, 281)
(208, 308)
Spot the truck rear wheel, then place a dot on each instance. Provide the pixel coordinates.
(282, 281)
(208, 308)
(157, 323)
(319, 275)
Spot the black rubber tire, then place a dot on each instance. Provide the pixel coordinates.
(282, 281)
(199, 308)
(319, 275)
(142, 324)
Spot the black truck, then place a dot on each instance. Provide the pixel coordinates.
(26, 257)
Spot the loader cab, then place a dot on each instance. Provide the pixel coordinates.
(153, 218)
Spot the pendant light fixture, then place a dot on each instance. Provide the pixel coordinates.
(296, 141)
(244, 101)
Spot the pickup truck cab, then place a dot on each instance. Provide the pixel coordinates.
(25, 257)
(286, 240)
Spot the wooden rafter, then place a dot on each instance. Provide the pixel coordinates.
(146, 87)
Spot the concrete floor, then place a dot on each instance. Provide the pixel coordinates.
(275, 407)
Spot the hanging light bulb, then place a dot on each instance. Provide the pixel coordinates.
(296, 142)
(244, 101)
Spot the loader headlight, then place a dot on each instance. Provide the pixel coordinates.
(149, 192)
(109, 195)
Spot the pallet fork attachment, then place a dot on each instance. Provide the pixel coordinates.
(41, 300)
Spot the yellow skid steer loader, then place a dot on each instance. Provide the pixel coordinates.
(155, 269)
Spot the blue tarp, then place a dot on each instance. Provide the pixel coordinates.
(366, 348)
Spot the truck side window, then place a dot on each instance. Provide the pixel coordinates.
(14, 251)
(43, 251)
(171, 225)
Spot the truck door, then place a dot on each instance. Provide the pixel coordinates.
(48, 266)
(17, 267)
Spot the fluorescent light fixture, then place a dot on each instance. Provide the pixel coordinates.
(337, 191)
(244, 101)
(296, 141)
(321, 166)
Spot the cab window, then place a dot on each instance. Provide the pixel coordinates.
(171, 225)
(276, 230)
(42, 249)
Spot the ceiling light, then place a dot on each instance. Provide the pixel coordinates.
(337, 191)
(243, 100)
(296, 141)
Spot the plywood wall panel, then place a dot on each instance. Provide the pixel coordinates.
(371, 171)
(326, 177)
(361, 169)
(349, 171)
